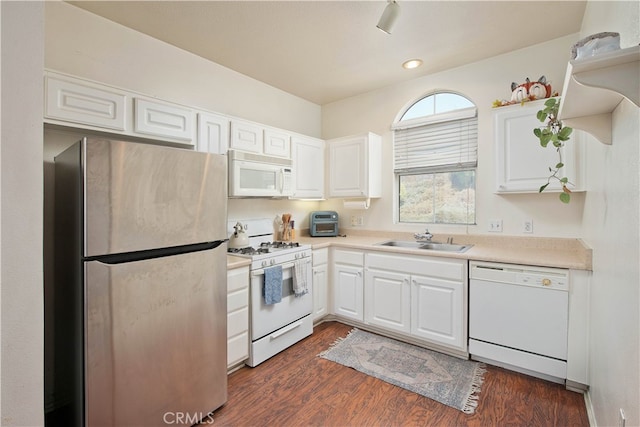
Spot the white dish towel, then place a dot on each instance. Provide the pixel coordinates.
(300, 285)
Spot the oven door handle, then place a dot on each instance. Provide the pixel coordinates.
(286, 329)
(284, 267)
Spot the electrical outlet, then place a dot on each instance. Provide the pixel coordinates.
(622, 420)
(357, 220)
(527, 226)
(495, 226)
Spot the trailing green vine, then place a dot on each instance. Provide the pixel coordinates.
(557, 134)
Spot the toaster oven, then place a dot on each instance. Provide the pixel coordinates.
(323, 224)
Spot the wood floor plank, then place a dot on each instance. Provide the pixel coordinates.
(298, 388)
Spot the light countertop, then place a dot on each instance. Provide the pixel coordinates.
(539, 251)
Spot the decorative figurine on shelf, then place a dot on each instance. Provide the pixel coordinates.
(527, 91)
(530, 90)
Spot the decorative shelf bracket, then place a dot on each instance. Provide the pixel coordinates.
(593, 88)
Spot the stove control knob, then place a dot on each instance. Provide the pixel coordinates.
(264, 263)
(272, 262)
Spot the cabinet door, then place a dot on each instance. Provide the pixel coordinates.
(348, 291)
(388, 300)
(277, 143)
(246, 136)
(213, 133)
(308, 168)
(82, 102)
(437, 311)
(320, 281)
(347, 169)
(522, 165)
(163, 120)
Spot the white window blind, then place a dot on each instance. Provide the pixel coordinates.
(433, 145)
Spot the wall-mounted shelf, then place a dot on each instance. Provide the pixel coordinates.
(593, 88)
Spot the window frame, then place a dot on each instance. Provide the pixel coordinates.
(453, 115)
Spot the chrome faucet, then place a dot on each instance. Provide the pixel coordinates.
(423, 237)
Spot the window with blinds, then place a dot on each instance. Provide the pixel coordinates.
(435, 157)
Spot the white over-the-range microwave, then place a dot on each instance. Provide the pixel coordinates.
(257, 175)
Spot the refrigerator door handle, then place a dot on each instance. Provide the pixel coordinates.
(155, 253)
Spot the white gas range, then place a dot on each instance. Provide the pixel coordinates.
(275, 326)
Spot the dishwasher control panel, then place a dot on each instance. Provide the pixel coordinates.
(551, 278)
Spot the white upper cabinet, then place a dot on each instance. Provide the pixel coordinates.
(256, 138)
(355, 166)
(308, 165)
(246, 136)
(522, 165)
(277, 143)
(77, 101)
(213, 133)
(163, 120)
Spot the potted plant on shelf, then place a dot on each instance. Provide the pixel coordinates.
(555, 133)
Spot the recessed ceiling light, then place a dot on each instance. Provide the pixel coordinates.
(412, 63)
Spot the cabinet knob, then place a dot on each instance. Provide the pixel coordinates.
(546, 282)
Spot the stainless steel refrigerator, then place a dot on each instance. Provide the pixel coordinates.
(140, 289)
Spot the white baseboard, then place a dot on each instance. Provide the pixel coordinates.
(590, 414)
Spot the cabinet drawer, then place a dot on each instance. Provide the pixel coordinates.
(320, 256)
(237, 349)
(237, 300)
(238, 322)
(77, 103)
(348, 257)
(237, 279)
(451, 269)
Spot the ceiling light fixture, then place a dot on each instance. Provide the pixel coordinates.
(389, 17)
(412, 63)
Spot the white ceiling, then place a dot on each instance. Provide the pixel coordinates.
(324, 51)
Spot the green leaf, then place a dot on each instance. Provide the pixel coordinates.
(565, 197)
(543, 187)
(564, 180)
(537, 132)
(565, 132)
(550, 102)
(559, 165)
(542, 115)
(544, 139)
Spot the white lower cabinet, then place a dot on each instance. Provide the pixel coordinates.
(348, 284)
(237, 316)
(423, 297)
(388, 300)
(437, 311)
(320, 278)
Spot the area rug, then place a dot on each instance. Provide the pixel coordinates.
(446, 379)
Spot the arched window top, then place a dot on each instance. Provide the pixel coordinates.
(436, 103)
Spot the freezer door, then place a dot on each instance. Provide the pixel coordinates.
(156, 339)
(141, 196)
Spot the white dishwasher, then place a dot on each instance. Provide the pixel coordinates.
(518, 318)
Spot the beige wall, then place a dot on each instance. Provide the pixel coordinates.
(482, 82)
(612, 228)
(21, 307)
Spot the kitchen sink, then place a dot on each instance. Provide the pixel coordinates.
(433, 246)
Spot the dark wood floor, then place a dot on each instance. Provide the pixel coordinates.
(297, 388)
